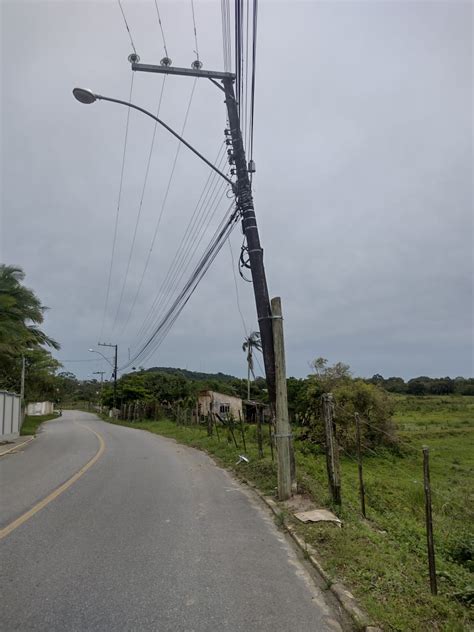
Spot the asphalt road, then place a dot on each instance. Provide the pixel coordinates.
(152, 536)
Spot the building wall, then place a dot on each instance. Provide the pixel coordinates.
(40, 408)
(10, 416)
(223, 405)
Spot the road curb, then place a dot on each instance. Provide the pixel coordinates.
(18, 445)
(346, 599)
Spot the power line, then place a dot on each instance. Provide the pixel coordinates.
(147, 170)
(187, 237)
(189, 254)
(114, 242)
(225, 228)
(127, 27)
(170, 179)
(226, 35)
(252, 93)
(237, 297)
(195, 31)
(161, 28)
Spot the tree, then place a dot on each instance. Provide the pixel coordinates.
(416, 386)
(350, 395)
(251, 342)
(21, 312)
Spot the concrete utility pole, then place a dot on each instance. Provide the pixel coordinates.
(244, 198)
(107, 344)
(283, 431)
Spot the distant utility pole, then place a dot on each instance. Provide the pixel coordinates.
(244, 198)
(107, 344)
(101, 373)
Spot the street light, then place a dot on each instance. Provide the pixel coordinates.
(87, 97)
(84, 96)
(101, 354)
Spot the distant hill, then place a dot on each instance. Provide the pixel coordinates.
(192, 375)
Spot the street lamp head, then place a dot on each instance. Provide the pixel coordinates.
(84, 96)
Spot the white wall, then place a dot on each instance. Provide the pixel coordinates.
(40, 408)
(10, 416)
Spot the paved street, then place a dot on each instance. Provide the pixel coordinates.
(152, 536)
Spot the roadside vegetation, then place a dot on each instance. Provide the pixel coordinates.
(31, 423)
(383, 558)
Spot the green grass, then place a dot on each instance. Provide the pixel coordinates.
(32, 422)
(383, 559)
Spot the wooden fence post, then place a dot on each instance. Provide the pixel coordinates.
(332, 454)
(242, 431)
(209, 425)
(429, 521)
(359, 465)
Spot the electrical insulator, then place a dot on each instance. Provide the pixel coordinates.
(228, 141)
(232, 172)
(197, 64)
(134, 58)
(227, 132)
(251, 167)
(166, 61)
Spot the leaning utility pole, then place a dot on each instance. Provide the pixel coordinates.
(106, 344)
(244, 199)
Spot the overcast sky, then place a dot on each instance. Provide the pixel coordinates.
(363, 191)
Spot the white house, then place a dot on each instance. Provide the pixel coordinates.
(224, 405)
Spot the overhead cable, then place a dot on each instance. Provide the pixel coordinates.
(127, 27)
(161, 28)
(188, 236)
(195, 30)
(147, 170)
(182, 299)
(168, 293)
(163, 205)
(117, 215)
(254, 63)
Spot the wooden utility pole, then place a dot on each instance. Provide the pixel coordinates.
(359, 465)
(283, 430)
(429, 521)
(332, 453)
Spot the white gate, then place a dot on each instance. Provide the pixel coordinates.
(10, 416)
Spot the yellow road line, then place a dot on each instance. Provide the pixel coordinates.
(57, 492)
(18, 445)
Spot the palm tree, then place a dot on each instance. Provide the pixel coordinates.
(251, 342)
(20, 313)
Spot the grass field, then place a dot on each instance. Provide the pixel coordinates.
(383, 559)
(32, 423)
